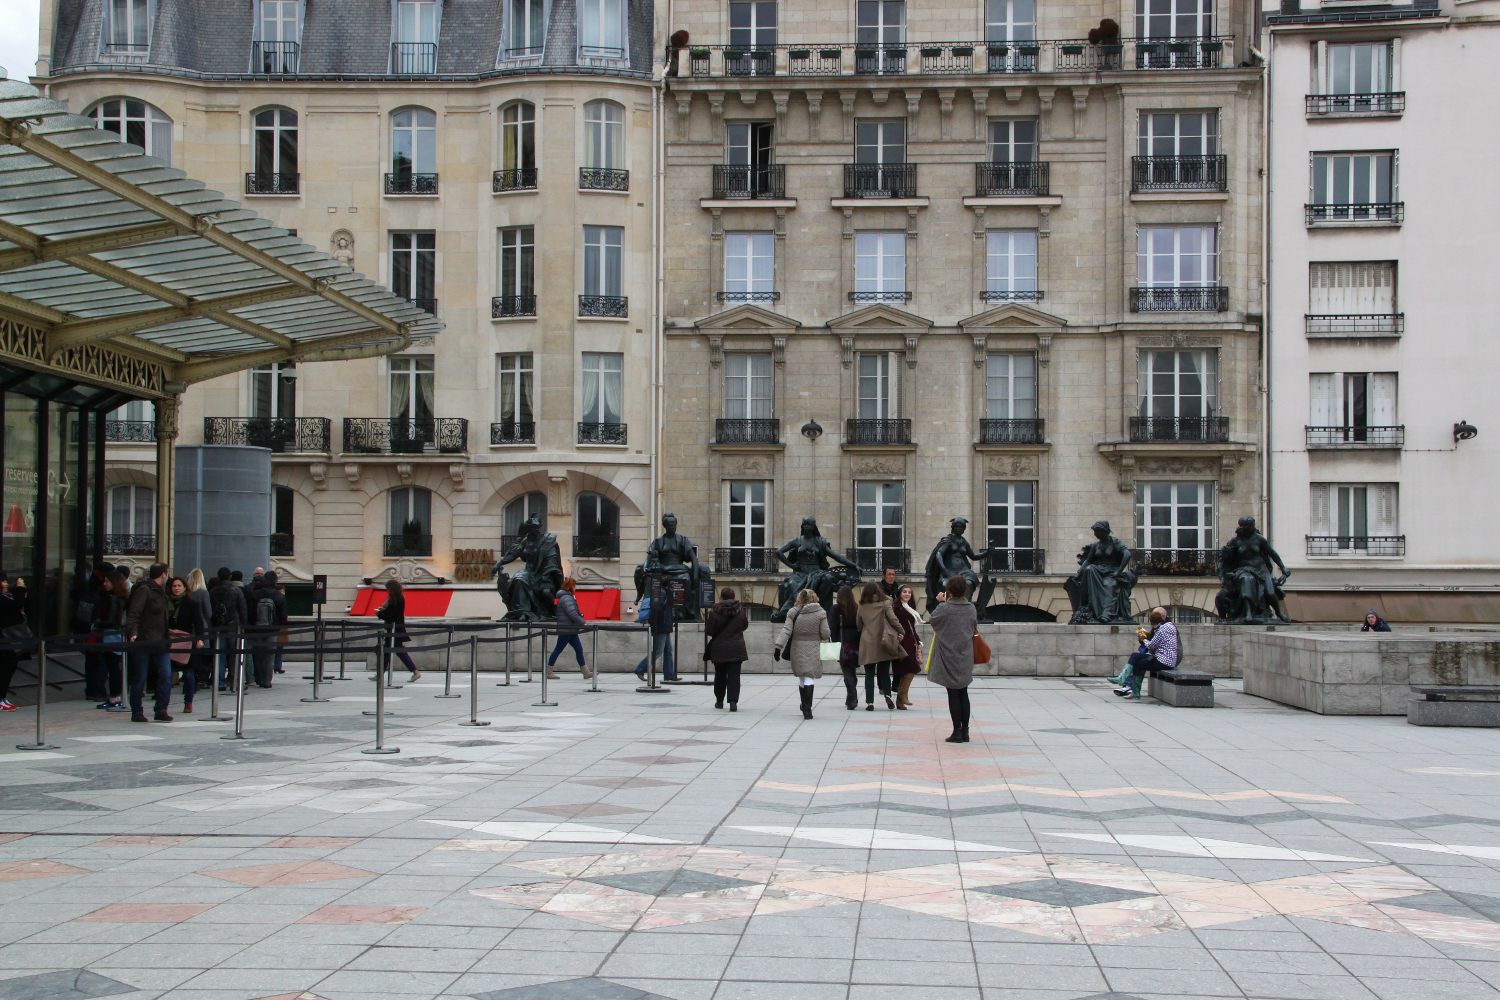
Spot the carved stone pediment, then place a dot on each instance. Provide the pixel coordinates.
(1013, 317)
(747, 318)
(880, 318)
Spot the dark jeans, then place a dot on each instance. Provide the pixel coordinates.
(563, 642)
(262, 655)
(405, 658)
(851, 685)
(661, 647)
(958, 707)
(159, 667)
(189, 682)
(1142, 664)
(727, 681)
(874, 671)
(8, 663)
(95, 675)
(114, 668)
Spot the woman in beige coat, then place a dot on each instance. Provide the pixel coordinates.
(879, 642)
(805, 628)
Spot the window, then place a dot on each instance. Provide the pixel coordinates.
(1010, 265)
(598, 527)
(278, 33)
(880, 267)
(1174, 18)
(879, 389)
(1353, 187)
(749, 267)
(880, 142)
(748, 387)
(1010, 387)
(411, 389)
(602, 261)
(881, 23)
(137, 123)
(879, 524)
(514, 403)
(518, 140)
(278, 21)
(133, 411)
(1178, 133)
(281, 521)
(1012, 140)
(128, 32)
(604, 135)
(1009, 21)
(1010, 512)
(1174, 517)
(132, 513)
(413, 142)
(603, 388)
(517, 264)
(1178, 271)
(276, 150)
(527, 29)
(746, 527)
(409, 532)
(1177, 384)
(414, 268)
(749, 143)
(1352, 288)
(1362, 68)
(1354, 519)
(1352, 407)
(601, 29)
(273, 391)
(752, 24)
(522, 509)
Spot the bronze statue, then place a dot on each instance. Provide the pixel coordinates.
(954, 557)
(675, 559)
(1250, 593)
(808, 555)
(1100, 590)
(530, 595)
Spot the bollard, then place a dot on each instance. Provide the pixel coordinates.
(382, 661)
(380, 746)
(544, 703)
(508, 644)
(527, 678)
(448, 671)
(239, 696)
(213, 688)
(474, 683)
(593, 687)
(41, 700)
(343, 627)
(317, 663)
(390, 658)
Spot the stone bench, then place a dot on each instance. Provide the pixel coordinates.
(1182, 688)
(1476, 706)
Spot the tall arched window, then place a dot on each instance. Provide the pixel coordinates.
(521, 509)
(138, 123)
(598, 528)
(604, 135)
(275, 153)
(130, 523)
(413, 152)
(410, 524)
(517, 146)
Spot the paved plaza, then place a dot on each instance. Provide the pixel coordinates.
(626, 846)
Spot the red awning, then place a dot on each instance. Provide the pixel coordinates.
(419, 603)
(599, 605)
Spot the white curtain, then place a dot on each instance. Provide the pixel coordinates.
(614, 389)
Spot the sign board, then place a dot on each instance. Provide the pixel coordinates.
(320, 589)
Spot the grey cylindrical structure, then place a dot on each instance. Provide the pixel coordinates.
(223, 508)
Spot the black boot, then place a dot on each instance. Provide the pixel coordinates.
(965, 734)
(719, 703)
(807, 696)
(957, 737)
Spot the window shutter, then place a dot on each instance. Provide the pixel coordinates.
(1325, 409)
(1320, 519)
(1383, 514)
(897, 362)
(1383, 399)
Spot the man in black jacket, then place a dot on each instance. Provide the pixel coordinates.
(227, 600)
(267, 617)
(95, 673)
(146, 621)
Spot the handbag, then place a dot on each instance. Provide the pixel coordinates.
(180, 659)
(981, 649)
(18, 633)
(785, 652)
(829, 650)
(890, 640)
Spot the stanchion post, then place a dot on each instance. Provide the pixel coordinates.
(508, 644)
(383, 658)
(544, 703)
(380, 746)
(527, 678)
(41, 700)
(239, 695)
(213, 687)
(317, 657)
(343, 628)
(474, 683)
(448, 671)
(593, 688)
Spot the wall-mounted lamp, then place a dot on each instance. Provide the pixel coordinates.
(1463, 431)
(812, 430)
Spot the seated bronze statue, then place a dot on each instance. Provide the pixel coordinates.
(808, 556)
(1100, 590)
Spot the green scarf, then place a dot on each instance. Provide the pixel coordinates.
(173, 603)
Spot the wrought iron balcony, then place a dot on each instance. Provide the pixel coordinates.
(1012, 295)
(1356, 545)
(596, 546)
(519, 179)
(126, 50)
(412, 546)
(1355, 105)
(744, 62)
(880, 296)
(1180, 298)
(1015, 57)
(513, 432)
(405, 182)
(1026, 430)
(1385, 213)
(507, 306)
(413, 58)
(752, 430)
(258, 183)
(749, 180)
(603, 179)
(878, 560)
(385, 436)
(1180, 53)
(282, 544)
(879, 60)
(1356, 324)
(274, 58)
(749, 296)
(1179, 173)
(1012, 180)
(731, 561)
(603, 305)
(1212, 430)
(280, 434)
(130, 431)
(877, 431)
(1367, 437)
(1016, 561)
(880, 180)
(1176, 562)
(130, 545)
(592, 433)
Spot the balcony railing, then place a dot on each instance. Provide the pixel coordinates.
(1355, 105)
(880, 180)
(1385, 213)
(506, 306)
(752, 430)
(396, 546)
(127, 50)
(282, 544)
(1176, 562)
(405, 182)
(1011, 561)
(1182, 53)
(1025, 430)
(596, 546)
(1356, 545)
(1356, 324)
(1179, 173)
(519, 179)
(274, 58)
(414, 58)
(878, 560)
(513, 432)
(280, 434)
(1181, 298)
(272, 183)
(1213, 430)
(590, 433)
(603, 179)
(727, 561)
(1357, 437)
(747, 180)
(748, 62)
(1012, 295)
(880, 296)
(384, 436)
(749, 296)
(130, 431)
(1012, 180)
(129, 545)
(877, 431)
(603, 305)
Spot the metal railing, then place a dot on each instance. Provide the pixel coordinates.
(1012, 295)
(274, 58)
(1179, 173)
(603, 305)
(880, 296)
(130, 431)
(857, 431)
(749, 180)
(129, 545)
(414, 58)
(596, 546)
(748, 62)
(727, 561)
(517, 179)
(880, 180)
(1175, 562)
(1389, 213)
(126, 50)
(1356, 545)
(406, 182)
(592, 433)
(748, 296)
(878, 560)
(1182, 53)
(747, 430)
(1012, 180)
(1354, 105)
(603, 179)
(388, 436)
(505, 306)
(1210, 429)
(280, 434)
(1012, 561)
(513, 432)
(1355, 324)
(258, 183)
(282, 544)
(407, 545)
(1180, 298)
(1024, 430)
(1389, 436)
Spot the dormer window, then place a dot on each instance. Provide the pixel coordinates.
(414, 52)
(127, 31)
(601, 29)
(525, 29)
(278, 34)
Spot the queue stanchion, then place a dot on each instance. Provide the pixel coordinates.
(41, 699)
(343, 628)
(593, 687)
(317, 674)
(448, 671)
(544, 703)
(379, 714)
(383, 659)
(474, 683)
(508, 644)
(213, 688)
(390, 658)
(527, 678)
(651, 687)
(239, 695)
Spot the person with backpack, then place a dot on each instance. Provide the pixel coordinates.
(268, 615)
(568, 618)
(643, 617)
(227, 616)
(393, 613)
(95, 676)
(724, 638)
(109, 625)
(146, 622)
(800, 642)
(844, 627)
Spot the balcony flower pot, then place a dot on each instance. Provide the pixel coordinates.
(1072, 50)
(733, 54)
(866, 53)
(800, 54)
(760, 54)
(963, 50)
(1180, 47)
(1112, 50)
(830, 54)
(1028, 50)
(1213, 46)
(698, 53)
(999, 50)
(931, 53)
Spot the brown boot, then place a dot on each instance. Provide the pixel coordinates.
(902, 701)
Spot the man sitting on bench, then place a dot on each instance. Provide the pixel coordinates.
(1159, 653)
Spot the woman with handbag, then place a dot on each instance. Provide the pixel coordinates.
(800, 643)
(724, 644)
(13, 628)
(844, 628)
(184, 622)
(955, 629)
(393, 613)
(109, 622)
(879, 642)
(904, 669)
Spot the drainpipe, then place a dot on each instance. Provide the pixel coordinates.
(1266, 291)
(658, 163)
